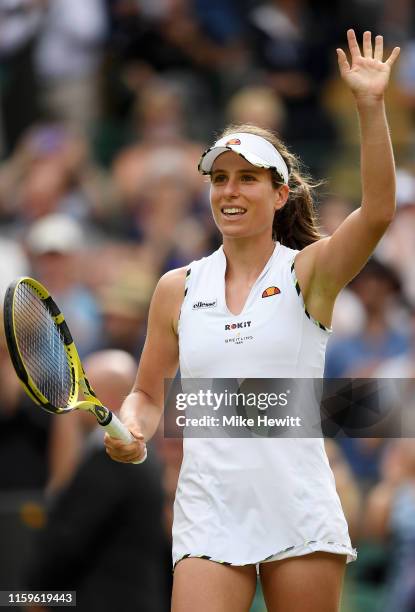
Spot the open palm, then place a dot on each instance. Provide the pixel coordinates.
(368, 75)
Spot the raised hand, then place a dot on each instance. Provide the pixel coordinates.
(368, 75)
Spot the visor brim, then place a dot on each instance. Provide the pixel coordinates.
(210, 155)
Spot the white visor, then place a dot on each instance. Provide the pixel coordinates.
(256, 150)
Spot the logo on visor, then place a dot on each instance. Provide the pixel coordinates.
(233, 141)
(270, 291)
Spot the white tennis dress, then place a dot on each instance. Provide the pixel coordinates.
(242, 500)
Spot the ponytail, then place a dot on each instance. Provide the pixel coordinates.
(295, 225)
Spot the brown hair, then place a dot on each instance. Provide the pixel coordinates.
(294, 225)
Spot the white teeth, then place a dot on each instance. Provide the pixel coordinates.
(233, 211)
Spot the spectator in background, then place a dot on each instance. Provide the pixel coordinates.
(332, 211)
(106, 519)
(72, 438)
(348, 314)
(13, 263)
(406, 77)
(197, 45)
(397, 248)
(24, 433)
(390, 512)
(67, 60)
(156, 177)
(192, 239)
(164, 202)
(159, 126)
(377, 286)
(402, 366)
(45, 191)
(400, 372)
(291, 42)
(124, 305)
(49, 171)
(259, 105)
(359, 355)
(56, 246)
(399, 20)
(20, 22)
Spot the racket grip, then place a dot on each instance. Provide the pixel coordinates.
(118, 430)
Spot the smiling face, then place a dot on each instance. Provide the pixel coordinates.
(243, 197)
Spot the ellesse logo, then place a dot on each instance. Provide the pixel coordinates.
(233, 141)
(208, 304)
(269, 291)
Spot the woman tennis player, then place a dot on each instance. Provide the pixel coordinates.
(270, 504)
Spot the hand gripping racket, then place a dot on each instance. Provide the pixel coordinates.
(45, 357)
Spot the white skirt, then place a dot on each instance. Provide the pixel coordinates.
(248, 501)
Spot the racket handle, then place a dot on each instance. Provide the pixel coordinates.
(118, 430)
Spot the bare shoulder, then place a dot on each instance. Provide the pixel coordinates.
(172, 281)
(168, 296)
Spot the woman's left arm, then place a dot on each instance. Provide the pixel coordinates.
(338, 258)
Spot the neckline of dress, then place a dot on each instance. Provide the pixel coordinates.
(261, 274)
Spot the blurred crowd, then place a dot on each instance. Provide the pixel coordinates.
(105, 108)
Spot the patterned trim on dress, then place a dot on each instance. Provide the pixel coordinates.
(186, 288)
(348, 550)
(186, 284)
(297, 288)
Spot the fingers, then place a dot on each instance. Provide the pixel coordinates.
(378, 54)
(368, 51)
(344, 65)
(393, 56)
(367, 44)
(136, 432)
(122, 452)
(353, 45)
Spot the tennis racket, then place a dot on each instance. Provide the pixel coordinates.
(45, 357)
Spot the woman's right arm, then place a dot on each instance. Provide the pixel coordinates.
(142, 409)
